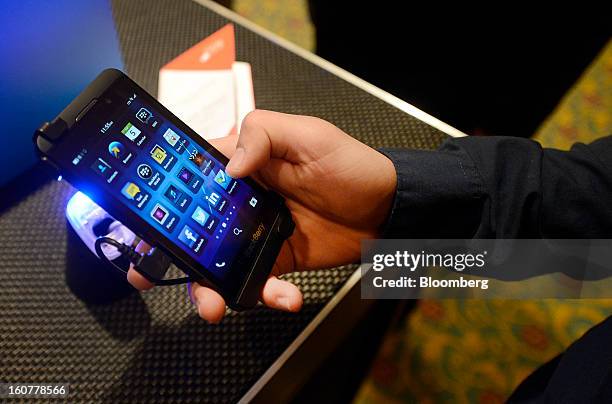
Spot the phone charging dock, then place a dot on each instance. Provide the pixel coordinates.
(90, 278)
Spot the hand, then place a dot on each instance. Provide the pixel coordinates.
(339, 191)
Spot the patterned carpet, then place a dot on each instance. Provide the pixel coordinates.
(475, 351)
(286, 18)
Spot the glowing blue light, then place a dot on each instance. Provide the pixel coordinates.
(59, 177)
(79, 204)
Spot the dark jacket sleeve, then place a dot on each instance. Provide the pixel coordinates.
(502, 187)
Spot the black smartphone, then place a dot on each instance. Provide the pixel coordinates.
(150, 171)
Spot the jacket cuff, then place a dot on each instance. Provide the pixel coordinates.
(439, 194)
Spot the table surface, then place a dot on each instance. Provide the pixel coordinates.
(152, 346)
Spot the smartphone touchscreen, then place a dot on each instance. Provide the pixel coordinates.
(129, 154)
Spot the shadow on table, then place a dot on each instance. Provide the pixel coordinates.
(207, 363)
(111, 300)
(23, 185)
(123, 319)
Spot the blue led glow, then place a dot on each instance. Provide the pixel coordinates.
(83, 214)
(79, 205)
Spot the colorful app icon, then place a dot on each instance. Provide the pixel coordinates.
(152, 176)
(130, 131)
(223, 179)
(143, 115)
(213, 198)
(202, 162)
(185, 175)
(178, 198)
(194, 182)
(192, 239)
(217, 202)
(196, 158)
(116, 149)
(159, 213)
(188, 236)
(177, 143)
(200, 216)
(171, 137)
(144, 171)
(130, 190)
(159, 154)
(173, 193)
(136, 195)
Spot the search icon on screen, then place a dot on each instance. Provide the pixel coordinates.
(237, 231)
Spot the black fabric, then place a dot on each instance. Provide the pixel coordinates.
(152, 347)
(505, 187)
(439, 194)
(582, 374)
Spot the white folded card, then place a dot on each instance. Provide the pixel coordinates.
(206, 88)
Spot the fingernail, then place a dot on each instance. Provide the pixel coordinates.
(236, 161)
(284, 302)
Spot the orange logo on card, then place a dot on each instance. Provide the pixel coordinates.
(218, 51)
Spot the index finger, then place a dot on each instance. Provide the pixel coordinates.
(226, 145)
